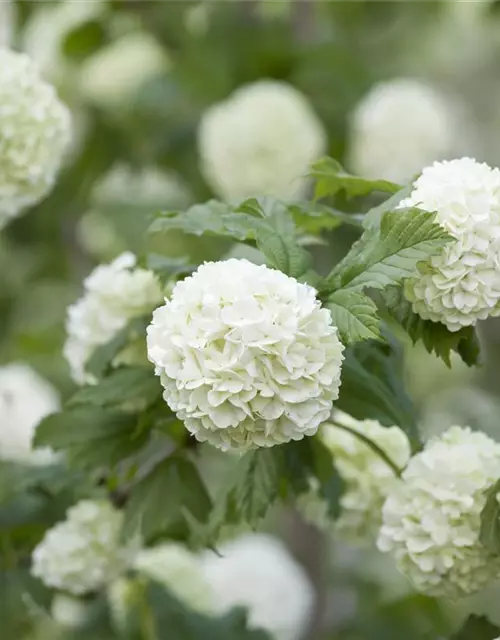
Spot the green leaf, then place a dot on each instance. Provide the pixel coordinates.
(167, 267)
(373, 217)
(163, 501)
(85, 40)
(355, 316)
(316, 217)
(92, 437)
(372, 386)
(102, 357)
(435, 336)
(209, 217)
(386, 256)
(477, 628)
(136, 386)
(331, 178)
(489, 534)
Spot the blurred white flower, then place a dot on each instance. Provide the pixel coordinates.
(113, 76)
(114, 294)
(82, 553)
(46, 30)
(7, 18)
(69, 611)
(260, 141)
(431, 520)
(401, 126)
(179, 570)
(19, 417)
(258, 572)
(247, 356)
(461, 283)
(34, 134)
(368, 478)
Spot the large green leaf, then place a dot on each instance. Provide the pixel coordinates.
(434, 335)
(372, 386)
(477, 628)
(386, 256)
(354, 314)
(490, 520)
(167, 499)
(373, 217)
(92, 437)
(331, 178)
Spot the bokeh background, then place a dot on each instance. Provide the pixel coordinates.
(138, 75)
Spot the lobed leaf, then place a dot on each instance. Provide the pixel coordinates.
(489, 534)
(355, 315)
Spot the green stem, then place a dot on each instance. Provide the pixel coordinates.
(373, 446)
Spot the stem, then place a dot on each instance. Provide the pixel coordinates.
(373, 446)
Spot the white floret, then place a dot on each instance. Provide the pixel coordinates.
(260, 142)
(461, 283)
(258, 573)
(25, 398)
(114, 294)
(83, 553)
(431, 520)
(398, 128)
(34, 134)
(246, 355)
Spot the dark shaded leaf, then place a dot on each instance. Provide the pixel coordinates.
(477, 628)
(490, 520)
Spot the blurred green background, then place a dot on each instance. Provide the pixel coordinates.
(137, 75)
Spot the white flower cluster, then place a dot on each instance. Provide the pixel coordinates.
(400, 127)
(179, 571)
(367, 476)
(34, 134)
(461, 284)
(431, 520)
(260, 142)
(25, 398)
(257, 572)
(69, 611)
(246, 355)
(82, 553)
(114, 294)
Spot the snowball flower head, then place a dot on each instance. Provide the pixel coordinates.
(82, 553)
(461, 283)
(398, 128)
(25, 398)
(179, 571)
(431, 520)
(34, 134)
(258, 573)
(246, 355)
(368, 478)
(260, 142)
(114, 294)
(69, 611)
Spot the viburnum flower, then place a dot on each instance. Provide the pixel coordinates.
(432, 518)
(246, 355)
(68, 611)
(461, 283)
(19, 417)
(367, 476)
(401, 126)
(34, 134)
(260, 142)
(83, 553)
(114, 294)
(258, 573)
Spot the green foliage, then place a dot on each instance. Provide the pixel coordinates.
(166, 500)
(490, 520)
(355, 316)
(434, 335)
(331, 178)
(477, 628)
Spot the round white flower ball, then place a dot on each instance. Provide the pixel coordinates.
(34, 134)
(114, 294)
(179, 570)
(246, 355)
(83, 553)
(25, 398)
(257, 572)
(260, 142)
(367, 476)
(69, 611)
(401, 126)
(461, 283)
(431, 520)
